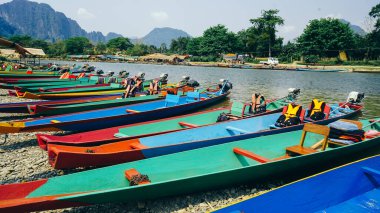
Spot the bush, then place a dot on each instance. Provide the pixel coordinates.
(311, 59)
(205, 58)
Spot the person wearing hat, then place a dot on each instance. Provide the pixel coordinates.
(258, 104)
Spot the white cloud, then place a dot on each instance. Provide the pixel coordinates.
(287, 29)
(159, 16)
(337, 16)
(83, 13)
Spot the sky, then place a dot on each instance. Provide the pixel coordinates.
(136, 18)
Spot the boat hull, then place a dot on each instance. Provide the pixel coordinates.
(330, 191)
(85, 123)
(186, 174)
(64, 157)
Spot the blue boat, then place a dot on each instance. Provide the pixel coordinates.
(63, 157)
(115, 116)
(317, 70)
(352, 187)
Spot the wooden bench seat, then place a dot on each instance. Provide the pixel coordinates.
(299, 150)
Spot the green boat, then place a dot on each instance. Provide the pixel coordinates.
(64, 85)
(244, 161)
(71, 108)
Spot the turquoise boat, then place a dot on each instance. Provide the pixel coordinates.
(243, 161)
(137, 148)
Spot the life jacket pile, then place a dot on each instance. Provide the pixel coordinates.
(316, 111)
(345, 132)
(290, 117)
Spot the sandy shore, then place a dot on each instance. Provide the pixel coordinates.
(363, 69)
(22, 160)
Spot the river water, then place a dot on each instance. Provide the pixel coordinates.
(330, 87)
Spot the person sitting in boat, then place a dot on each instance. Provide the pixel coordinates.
(258, 104)
(133, 85)
(290, 117)
(316, 110)
(154, 86)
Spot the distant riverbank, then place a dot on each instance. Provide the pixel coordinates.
(290, 67)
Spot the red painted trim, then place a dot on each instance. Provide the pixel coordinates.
(19, 190)
(188, 124)
(250, 155)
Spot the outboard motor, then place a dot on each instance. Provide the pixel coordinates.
(164, 78)
(225, 85)
(192, 83)
(140, 75)
(293, 93)
(91, 69)
(355, 97)
(99, 72)
(123, 74)
(110, 73)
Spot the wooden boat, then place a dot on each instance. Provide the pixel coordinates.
(350, 188)
(22, 107)
(63, 95)
(16, 79)
(97, 119)
(113, 88)
(317, 70)
(24, 75)
(64, 157)
(63, 84)
(150, 128)
(243, 161)
(80, 107)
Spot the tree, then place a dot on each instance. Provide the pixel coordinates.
(77, 45)
(326, 37)
(56, 49)
(289, 52)
(217, 40)
(101, 48)
(163, 48)
(119, 44)
(194, 45)
(264, 27)
(374, 36)
(179, 45)
(23, 40)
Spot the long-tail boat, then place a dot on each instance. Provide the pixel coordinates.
(63, 157)
(353, 187)
(80, 107)
(243, 161)
(22, 107)
(116, 116)
(155, 127)
(113, 88)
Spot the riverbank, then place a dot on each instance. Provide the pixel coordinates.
(289, 67)
(22, 160)
(285, 67)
